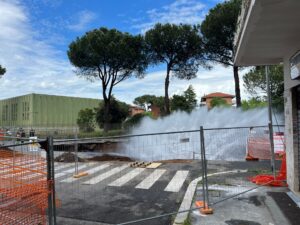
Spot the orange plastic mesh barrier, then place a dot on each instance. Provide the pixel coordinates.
(278, 181)
(23, 188)
(2, 133)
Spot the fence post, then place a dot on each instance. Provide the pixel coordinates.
(204, 167)
(202, 164)
(273, 167)
(76, 153)
(51, 182)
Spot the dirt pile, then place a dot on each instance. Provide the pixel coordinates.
(111, 158)
(68, 157)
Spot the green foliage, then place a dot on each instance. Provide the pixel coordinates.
(254, 103)
(86, 120)
(256, 84)
(111, 56)
(178, 102)
(179, 47)
(118, 112)
(150, 99)
(2, 71)
(218, 30)
(186, 102)
(133, 121)
(190, 97)
(218, 102)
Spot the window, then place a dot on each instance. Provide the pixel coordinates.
(5, 113)
(25, 107)
(14, 111)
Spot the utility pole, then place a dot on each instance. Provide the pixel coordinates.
(270, 122)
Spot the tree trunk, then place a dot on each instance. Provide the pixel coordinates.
(237, 86)
(167, 101)
(106, 124)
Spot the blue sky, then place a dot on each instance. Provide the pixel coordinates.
(35, 35)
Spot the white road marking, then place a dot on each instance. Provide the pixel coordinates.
(32, 175)
(177, 181)
(90, 172)
(151, 179)
(63, 166)
(105, 175)
(127, 177)
(58, 175)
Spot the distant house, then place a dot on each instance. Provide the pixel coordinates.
(155, 110)
(206, 99)
(133, 110)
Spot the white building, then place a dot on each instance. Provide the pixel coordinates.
(269, 33)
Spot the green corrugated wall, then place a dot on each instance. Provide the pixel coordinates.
(43, 110)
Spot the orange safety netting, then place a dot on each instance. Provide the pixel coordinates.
(278, 181)
(23, 188)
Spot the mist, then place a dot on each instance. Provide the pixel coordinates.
(220, 144)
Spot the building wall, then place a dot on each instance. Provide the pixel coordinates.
(38, 110)
(16, 111)
(134, 111)
(208, 101)
(291, 129)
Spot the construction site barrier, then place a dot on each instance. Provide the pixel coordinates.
(24, 187)
(259, 147)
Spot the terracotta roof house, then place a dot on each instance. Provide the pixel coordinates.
(206, 99)
(133, 110)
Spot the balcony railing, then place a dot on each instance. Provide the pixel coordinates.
(246, 5)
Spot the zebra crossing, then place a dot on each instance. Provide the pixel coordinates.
(119, 175)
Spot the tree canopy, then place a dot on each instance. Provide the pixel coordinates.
(2, 71)
(110, 56)
(86, 120)
(186, 102)
(177, 46)
(218, 30)
(256, 84)
(150, 99)
(253, 103)
(118, 113)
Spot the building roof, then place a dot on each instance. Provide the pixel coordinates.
(47, 95)
(267, 32)
(136, 107)
(216, 95)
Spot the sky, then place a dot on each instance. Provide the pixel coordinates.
(35, 35)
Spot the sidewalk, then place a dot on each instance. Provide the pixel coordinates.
(262, 206)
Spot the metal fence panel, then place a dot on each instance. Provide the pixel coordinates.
(24, 186)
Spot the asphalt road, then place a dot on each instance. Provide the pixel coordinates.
(102, 203)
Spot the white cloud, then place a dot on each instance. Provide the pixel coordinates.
(180, 11)
(219, 79)
(33, 65)
(83, 20)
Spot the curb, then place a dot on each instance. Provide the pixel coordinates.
(189, 195)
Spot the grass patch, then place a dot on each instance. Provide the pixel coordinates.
(259, 171)
(187, 221)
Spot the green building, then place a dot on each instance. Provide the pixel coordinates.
(47, 111)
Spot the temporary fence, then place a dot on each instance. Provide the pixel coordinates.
(126, 179)
(226, 175)
(129, 179)
(26, 183)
